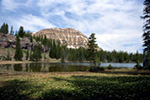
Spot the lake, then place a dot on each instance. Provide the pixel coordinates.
(56, 67)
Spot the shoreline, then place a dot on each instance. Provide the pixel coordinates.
(22, 62)
(15, 62)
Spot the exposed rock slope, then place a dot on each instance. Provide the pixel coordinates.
(8, 41)
(73, 38)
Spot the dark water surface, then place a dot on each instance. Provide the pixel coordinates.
(56, 67)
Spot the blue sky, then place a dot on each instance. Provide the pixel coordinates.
(116, 23)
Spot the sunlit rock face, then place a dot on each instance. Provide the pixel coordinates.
(73, 38)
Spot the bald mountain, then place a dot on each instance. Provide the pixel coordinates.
(73, 38)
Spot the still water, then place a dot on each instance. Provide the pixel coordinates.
(56, 67)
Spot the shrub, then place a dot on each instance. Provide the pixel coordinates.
(96, 69)
(110, 66)
(137, 66)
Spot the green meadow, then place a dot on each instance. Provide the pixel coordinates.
(123, 84)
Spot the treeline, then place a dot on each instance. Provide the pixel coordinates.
(81, 55)
(57, 51)
(121, 56)
(4, 28)
(22, 33)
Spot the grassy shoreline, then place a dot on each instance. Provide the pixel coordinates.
(115, 84)
(21, 62)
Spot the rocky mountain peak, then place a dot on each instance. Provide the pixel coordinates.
(73, 38)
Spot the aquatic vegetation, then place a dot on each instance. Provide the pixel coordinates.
(138, 66)
(110, 66)
(96, 68)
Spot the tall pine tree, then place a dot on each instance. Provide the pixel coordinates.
(36, 53)
(92, 49)
(4, 28)
(18, 54)
(21, 32)
(58, 49)
(11, 30)
(52, 52)
(146, 34)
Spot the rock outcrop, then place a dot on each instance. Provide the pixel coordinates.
(8, 41)
(73, 38)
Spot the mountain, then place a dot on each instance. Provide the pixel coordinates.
(73, 38)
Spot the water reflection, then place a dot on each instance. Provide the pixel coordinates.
(18, 67)
(42, 67)
(56, 67)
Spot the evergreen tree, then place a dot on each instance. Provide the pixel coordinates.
(136, 58)
(58, 49)
(18, 53)
(21, 32)
(44, 42)
(28, 34)
(63, 55)
(4, 28)
(36, 53)
(121, 57)
(11, 30)
(81, 54)
(52, 52)
(146, 34)
(92, 48)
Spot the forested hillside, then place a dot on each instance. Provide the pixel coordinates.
(34, 46)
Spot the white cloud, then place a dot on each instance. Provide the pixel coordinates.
(117, 23)
(8, 5)
(33, 23)
(12, 5)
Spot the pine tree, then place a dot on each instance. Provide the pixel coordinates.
(18, 53)
(4, 28)
(11, 30)
(81, 55)
(63, 55)
(58, 49)
(146, 34)
(37, 53)
(52, 52)
(92, 49)
(21, 32)
(44, 42)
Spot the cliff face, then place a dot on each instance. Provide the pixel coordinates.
(73, 38)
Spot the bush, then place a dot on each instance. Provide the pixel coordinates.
(96, 69)
(137, 66)
(110, 66)
(147, 67)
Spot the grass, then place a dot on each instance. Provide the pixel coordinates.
(110, 84)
